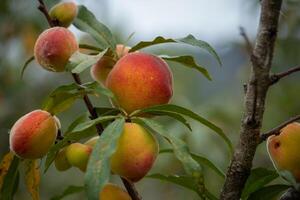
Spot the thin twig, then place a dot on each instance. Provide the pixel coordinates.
(276, 130)
(128, 185)
(247, 40)
(276, 77)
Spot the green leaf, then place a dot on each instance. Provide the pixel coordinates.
(63, 97)
(202, 161)
(82, 118)
(104, 111)
(80, 131)
(187, 61)
(87, 22)
(10, 181)
(268, 192)
(184, 181)
(180, 148)
(190, 40)
(26, 65)
(258, 178)
(98, 169)
(79, 61)
(183, 111)
(72, 189)
(89, 47)
(157, 40)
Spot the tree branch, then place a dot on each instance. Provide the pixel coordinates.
(247, 40)
(276, 77)
(257, 87)
(128, 185)
(276, 130)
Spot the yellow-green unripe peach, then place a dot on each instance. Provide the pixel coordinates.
(101, 69)
(64, 13)
(33, 134)
(113, 192)
(54, 47)
(135, 154)
(140, 80)
(61, 162)
(78, 155)
(284, 150)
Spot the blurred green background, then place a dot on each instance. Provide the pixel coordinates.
(220, 100)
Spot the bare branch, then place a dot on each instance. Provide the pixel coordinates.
(247, 40)
(276, 77)
(276, 130)
(257, 88)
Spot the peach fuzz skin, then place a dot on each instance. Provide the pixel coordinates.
(284, 149)
(33, 134)
(54, 47)
(113, 192)
(140, 80)
(135, 154)
(64, 12)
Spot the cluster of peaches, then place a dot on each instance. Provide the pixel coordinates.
(138, 80)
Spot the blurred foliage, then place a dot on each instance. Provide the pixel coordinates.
(220, 100)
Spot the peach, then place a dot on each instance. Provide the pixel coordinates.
(101, 69)
(64, 13)
(61, 162)
(135, 154)
(140, 80)
(284, 150)
(113, 192)
(78, 155)
(33, 134)
(54, 47)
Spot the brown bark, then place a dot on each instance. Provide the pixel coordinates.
(257, 87)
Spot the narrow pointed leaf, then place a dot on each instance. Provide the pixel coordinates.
(72, 189)
(32, 178)
(268, 192)
(80, 62)
(87, 22)
(10, 180)
(186, 112)
(190, 40)
(26, 65)
(202, 161)
(89, 47)
(258, 178)
(4, 166)
(187, 61)
(179, 147)
(98, 169)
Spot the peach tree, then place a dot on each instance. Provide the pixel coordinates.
(122, 139)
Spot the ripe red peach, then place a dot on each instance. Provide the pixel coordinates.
(135, 154)
(140, 80)
(113, 192)
(284, 150)
(78, 155)
(64, 13)
(54, 47)
(101, 69)
(33, 134)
